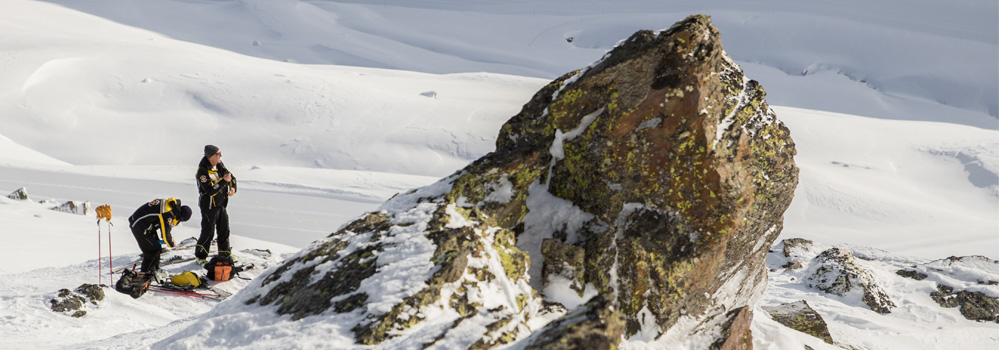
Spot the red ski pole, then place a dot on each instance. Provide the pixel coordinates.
(110, 256)
(104, 212)
(99, 267)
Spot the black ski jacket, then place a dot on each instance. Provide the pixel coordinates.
(158, 215)
(212, 189)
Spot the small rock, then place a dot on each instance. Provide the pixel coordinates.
(67, 301)
(801, 317)
(793, 244)
(21, 194)
(919, 276)
(74, 207)
(794, 251)
(93, 292)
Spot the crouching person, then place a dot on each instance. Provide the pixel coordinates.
(150, 225)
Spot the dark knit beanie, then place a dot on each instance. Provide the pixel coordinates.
(210, 150)
(185, 213)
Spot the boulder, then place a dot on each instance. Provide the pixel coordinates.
(801, 317)
(975, 306)
(659, 175)
(21, 194)
(836, 271)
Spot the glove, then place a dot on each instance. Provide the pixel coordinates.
(103, 212)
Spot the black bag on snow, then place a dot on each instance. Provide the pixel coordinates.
(135, 285)
(220, 268)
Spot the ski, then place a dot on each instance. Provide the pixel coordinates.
(174, 259)
(165, 289)
(177, 259)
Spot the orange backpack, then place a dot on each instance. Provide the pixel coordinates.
(220, 268)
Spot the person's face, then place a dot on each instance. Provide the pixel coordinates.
(215, 158)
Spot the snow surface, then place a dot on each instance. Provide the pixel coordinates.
(892, 105)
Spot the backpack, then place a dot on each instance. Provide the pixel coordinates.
(186, 279)
(220, 268)
(133, 284)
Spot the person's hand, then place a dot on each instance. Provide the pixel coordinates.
(227, 177)
(232, 191)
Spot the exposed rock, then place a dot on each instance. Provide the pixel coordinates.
(74, 207)
(985, 269)
(975, 306)
(801, 317)
(300, 296)
(565, 261)
(836, 271)
(594, 326)
(93, 292)
(735, 333)
(678, 159)
(795, 249)
(793, 246)
(916, 275)
(659, 175)
(21, 194)
(67, 300)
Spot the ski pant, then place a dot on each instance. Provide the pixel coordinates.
(213, 219)
(150, 246)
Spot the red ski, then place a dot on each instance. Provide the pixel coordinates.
(188, 293)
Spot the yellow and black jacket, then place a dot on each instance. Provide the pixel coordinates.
(158, 215)
(213, 190)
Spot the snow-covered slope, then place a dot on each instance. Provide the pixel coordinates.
(942, 51)
(933, 60)
(107, 94)
(927, 189)
(892, 105)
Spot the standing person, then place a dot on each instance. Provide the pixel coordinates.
(158, 215)
(215, 185)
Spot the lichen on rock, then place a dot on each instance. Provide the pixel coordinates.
(565, 261)
(801, 317)
(658, 176)
(594, 325)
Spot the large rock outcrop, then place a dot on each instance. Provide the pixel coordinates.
(655, 180)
